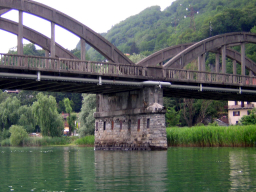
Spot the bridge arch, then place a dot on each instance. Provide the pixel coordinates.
(36, 38)
(210, 44)
(91, 37)
(160, 56)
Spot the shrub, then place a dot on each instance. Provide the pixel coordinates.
(5, 143)
(87, 140)
(18, 133)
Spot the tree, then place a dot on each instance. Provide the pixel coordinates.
(47, 117)
(172, 117)
(249, 119)
(18, 133)
(9, 112)
(86, 118)
(188, 111)
(71, 116)
(26, 118)
(136, 57)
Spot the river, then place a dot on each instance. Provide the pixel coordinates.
(59, 169)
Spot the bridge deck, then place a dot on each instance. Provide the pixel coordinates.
(63, 75)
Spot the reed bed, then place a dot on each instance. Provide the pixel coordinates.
(212, 136)
(85, 141)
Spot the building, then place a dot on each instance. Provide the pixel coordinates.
(237, 109)
(12, 91)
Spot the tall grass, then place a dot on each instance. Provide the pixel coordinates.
(212, 136)
(87, 140)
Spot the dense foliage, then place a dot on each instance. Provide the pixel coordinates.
(47, 116)
(18, 134)
(86, 118)
(153, 29)
(249, 119)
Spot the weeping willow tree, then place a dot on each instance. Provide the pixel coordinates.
(86, 116)
(47, 116)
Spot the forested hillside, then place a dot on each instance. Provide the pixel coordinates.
(153, 29)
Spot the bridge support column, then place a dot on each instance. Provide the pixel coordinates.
(83, 50)
(20, 34)
(242, 59)
(46, 54)
(217, 62)
(243, 62)
(223, 55)
(52, 39)
(133, 120)
(234, 67)
(201, 65)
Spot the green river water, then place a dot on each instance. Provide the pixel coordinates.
(83, 169)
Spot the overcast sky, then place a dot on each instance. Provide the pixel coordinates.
(99, 15)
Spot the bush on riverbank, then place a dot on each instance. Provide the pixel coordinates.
(18, 134)
(5, 143)
(212, 136)
(87, 140)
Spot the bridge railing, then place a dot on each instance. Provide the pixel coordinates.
(122, 70)
(67, 65)
(207, 77)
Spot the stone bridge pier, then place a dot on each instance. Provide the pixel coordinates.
(133, 120)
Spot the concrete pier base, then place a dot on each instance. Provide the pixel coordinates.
(132, 120)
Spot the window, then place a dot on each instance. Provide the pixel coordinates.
(121, 125)
(148, 123)
(235, 102)
(138, 125)
(104, 125)
(236, 113)
(242, 103)
(97, 126)
(112, 125)
(129, 125)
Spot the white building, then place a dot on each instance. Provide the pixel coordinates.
(237, 109)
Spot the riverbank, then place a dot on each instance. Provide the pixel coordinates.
(212, 136)
(201, 136)
(55, 141)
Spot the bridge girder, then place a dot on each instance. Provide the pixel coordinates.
(98, 42)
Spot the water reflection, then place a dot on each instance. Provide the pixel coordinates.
(83, 169)
(131, 171)
(240, 170)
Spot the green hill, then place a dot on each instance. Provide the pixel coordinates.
(153, 29)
